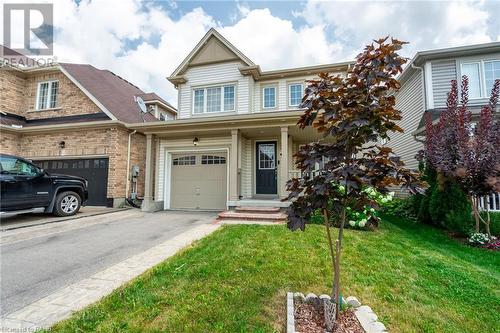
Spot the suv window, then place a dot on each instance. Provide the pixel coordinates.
(17, 167)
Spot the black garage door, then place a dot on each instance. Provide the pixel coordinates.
(95, 170)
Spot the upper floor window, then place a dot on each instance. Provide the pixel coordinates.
(482, 75)
(269, 97)
(295, 91)
(214, 99)
(46, 97)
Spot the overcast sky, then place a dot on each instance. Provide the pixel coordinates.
(145, 41)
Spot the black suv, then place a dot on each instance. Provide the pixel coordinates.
(27, 188)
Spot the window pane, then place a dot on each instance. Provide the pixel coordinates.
(228, 98)
(53, 94)
(199, 100)
(184, 160)
(270, 97)
(295, 94)
(43, 95)
(213, 99)
(471, 70)
(14, 166)
(266, 156)
(491, 73)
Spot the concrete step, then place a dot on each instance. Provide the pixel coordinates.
(248, 209)
(246, 216)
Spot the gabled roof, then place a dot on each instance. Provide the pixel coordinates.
(113, 94)
(154, 98)
(228, 51)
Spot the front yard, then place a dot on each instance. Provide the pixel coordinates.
(414, 277)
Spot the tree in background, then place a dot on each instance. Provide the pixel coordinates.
(353, 113)
(465, 152)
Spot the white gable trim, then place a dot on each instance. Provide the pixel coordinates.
(210, 33)
(88, 94)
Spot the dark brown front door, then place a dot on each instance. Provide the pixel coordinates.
(266, 173)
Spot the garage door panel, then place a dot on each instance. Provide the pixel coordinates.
(94, 170)
(199, 181)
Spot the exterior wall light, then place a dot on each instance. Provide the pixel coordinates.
(195, 141)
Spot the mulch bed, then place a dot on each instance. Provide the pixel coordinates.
(309, 320)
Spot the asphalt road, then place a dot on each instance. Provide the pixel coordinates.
(36, 263)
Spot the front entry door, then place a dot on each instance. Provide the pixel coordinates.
(266, 173)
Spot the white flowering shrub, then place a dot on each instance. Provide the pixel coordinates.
(479, 239)
(369, 216)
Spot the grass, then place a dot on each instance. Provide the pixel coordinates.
(414, 277)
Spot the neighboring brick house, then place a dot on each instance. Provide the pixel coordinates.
(72, 119)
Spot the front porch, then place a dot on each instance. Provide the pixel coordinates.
(253, 161)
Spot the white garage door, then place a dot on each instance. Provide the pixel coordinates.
(199, 181)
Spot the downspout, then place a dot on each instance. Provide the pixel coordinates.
(127, 184)
(424, 93)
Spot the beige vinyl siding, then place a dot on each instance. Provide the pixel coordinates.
(246, 168)
(224, 73)
(410, 100)
(443, 71)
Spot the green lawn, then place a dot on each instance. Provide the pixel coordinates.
(415, 279)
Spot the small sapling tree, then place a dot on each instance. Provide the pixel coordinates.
(353, 112)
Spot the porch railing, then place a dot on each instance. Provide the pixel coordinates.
(492, 202)
(294, 174)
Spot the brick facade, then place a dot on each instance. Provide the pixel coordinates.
(12, 91)
(109, 142)
(10, 143)
(19, 90)
(70, 99)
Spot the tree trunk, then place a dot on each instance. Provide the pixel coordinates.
(338, 244)
(326, 220)
(487, 222)
(473, 200)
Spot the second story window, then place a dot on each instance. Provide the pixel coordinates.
(295, 91)
(46, 97)
(214, 99)
(269, 97)
(482, 75)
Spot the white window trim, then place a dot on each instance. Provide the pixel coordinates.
(204, 88)
(275, 87)
(290, 92)
(482, 75)
(49, 95)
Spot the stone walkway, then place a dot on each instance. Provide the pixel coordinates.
(61, 304)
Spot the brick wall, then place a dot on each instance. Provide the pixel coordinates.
(111, 142)
(9, 143)
(12, 91)
(70, 99)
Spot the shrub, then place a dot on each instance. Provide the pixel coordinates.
(450, 208)
(478, 239)
(403, 207)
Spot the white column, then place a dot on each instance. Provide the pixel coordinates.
(284, 161)
(233, 166)
(148, 182)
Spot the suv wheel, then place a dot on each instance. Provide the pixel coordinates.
(67, 203)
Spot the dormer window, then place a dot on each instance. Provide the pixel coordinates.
(46, 97)
(214, 99)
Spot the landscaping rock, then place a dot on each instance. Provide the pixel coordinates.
(299, 297)
(324, 296)
(353, 301)
(311, 297)
(376, 327)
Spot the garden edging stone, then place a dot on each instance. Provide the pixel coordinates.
(365, 315)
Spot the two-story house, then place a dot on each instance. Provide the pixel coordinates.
(235, 135)
(425, 83)
(72, 119)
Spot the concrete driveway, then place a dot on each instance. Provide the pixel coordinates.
(36, 261)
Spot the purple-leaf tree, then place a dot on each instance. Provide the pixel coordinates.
(353, 112)
(467, 151)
